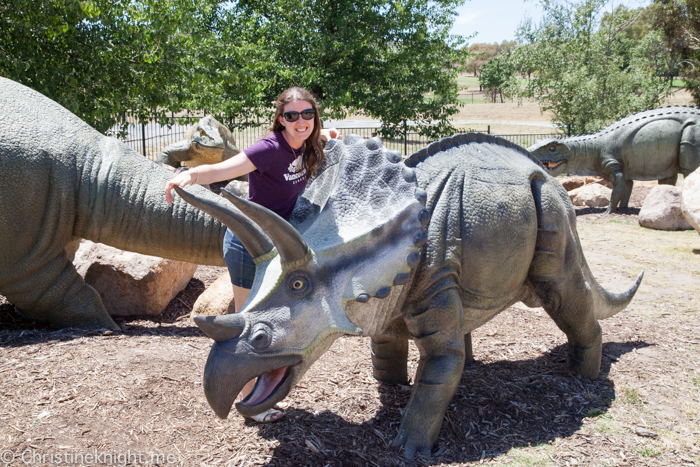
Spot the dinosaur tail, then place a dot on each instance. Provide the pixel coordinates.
(608, 303)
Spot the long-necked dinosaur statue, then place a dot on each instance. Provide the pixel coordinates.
(428, 250)
(61, 181)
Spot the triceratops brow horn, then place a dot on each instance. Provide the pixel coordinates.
(289, 242)
(250, 234)
(221, 328)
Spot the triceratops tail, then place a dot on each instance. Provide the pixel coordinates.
(609, 304)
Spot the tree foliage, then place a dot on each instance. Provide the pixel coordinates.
(591, 68)
(679, 22)
(496, 74)
(103, 57)
(483, 52)
(391, 60)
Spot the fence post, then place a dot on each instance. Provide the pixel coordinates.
(143, 138)
(405, 138)
(568, 129)
(488, 130)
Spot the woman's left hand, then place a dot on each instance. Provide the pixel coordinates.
(330, 133)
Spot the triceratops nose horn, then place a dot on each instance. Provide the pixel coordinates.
(221, 328)
(289, 242)
(251, 236)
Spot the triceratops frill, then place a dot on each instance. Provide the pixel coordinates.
(354, 237)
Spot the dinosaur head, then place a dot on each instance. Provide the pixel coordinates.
(211, 141)
(356, 232)
(553, 154)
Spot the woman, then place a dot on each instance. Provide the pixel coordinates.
(278, 167)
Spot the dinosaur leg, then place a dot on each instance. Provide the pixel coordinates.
(625, 199)
(619, 187)
(557, 278)
(669, 180)
(689, 156)
(437, 330)
(390, 360)
(468, 351)
(57, 293)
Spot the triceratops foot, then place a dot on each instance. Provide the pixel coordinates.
(586, 360)
(412, 444)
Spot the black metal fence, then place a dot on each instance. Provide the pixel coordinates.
(150, 138)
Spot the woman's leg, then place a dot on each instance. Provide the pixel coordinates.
(241, 268)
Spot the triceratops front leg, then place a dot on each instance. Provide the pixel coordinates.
(390, 359)
(436, 326)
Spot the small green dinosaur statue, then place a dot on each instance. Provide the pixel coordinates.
(205, 142)
(63, 181)
(428, 249)
(656, 144)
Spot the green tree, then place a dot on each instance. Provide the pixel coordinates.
(679, 22)
(391, 60)
(483, 52)
(100, 58)
(589, 67)
(496, 74)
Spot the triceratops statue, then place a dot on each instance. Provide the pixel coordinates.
(427, 249)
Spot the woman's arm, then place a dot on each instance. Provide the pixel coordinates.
(205, 174)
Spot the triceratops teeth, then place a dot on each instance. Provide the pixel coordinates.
(409, 174)
(383, 292)
(412, 260)
(401, 279)
(421, 196)
(420, 238)
(363, 297)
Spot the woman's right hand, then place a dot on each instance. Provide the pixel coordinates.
(182, 179)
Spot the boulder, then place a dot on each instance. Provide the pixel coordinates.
(594, 195)
(217, 299)
(239, 188)
(131, 283)
(690, 199)
(572, 182)
(662, 209)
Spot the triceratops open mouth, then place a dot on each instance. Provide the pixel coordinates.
(270, 388)
(551, 165)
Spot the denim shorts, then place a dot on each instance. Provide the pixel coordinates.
(239, 262)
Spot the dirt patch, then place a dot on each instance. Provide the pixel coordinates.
(138, 392)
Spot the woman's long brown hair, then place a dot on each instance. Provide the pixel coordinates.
(313, 149)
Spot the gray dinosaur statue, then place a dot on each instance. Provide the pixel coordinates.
(62, 181)
(205, 142)
(656, 144)
(428, 249)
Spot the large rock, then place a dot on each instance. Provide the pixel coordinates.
(594, 195)
(571, 182)
(217, 299)
(130, 283)
(662, 209)
(690, 199)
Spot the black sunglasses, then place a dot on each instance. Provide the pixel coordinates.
(293, 115)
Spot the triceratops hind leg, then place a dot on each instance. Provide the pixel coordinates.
(57, 293)
(557, 278)
(390, 359)
(436, 326)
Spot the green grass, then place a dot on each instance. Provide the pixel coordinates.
(632, 396)
(647, 451)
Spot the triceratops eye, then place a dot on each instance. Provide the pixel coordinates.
(299, 285)
(261, 336)
(551, 148)
(202, 133)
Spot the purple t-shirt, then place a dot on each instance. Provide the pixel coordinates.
(280, 176)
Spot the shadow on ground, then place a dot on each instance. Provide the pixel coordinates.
(497, 407)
